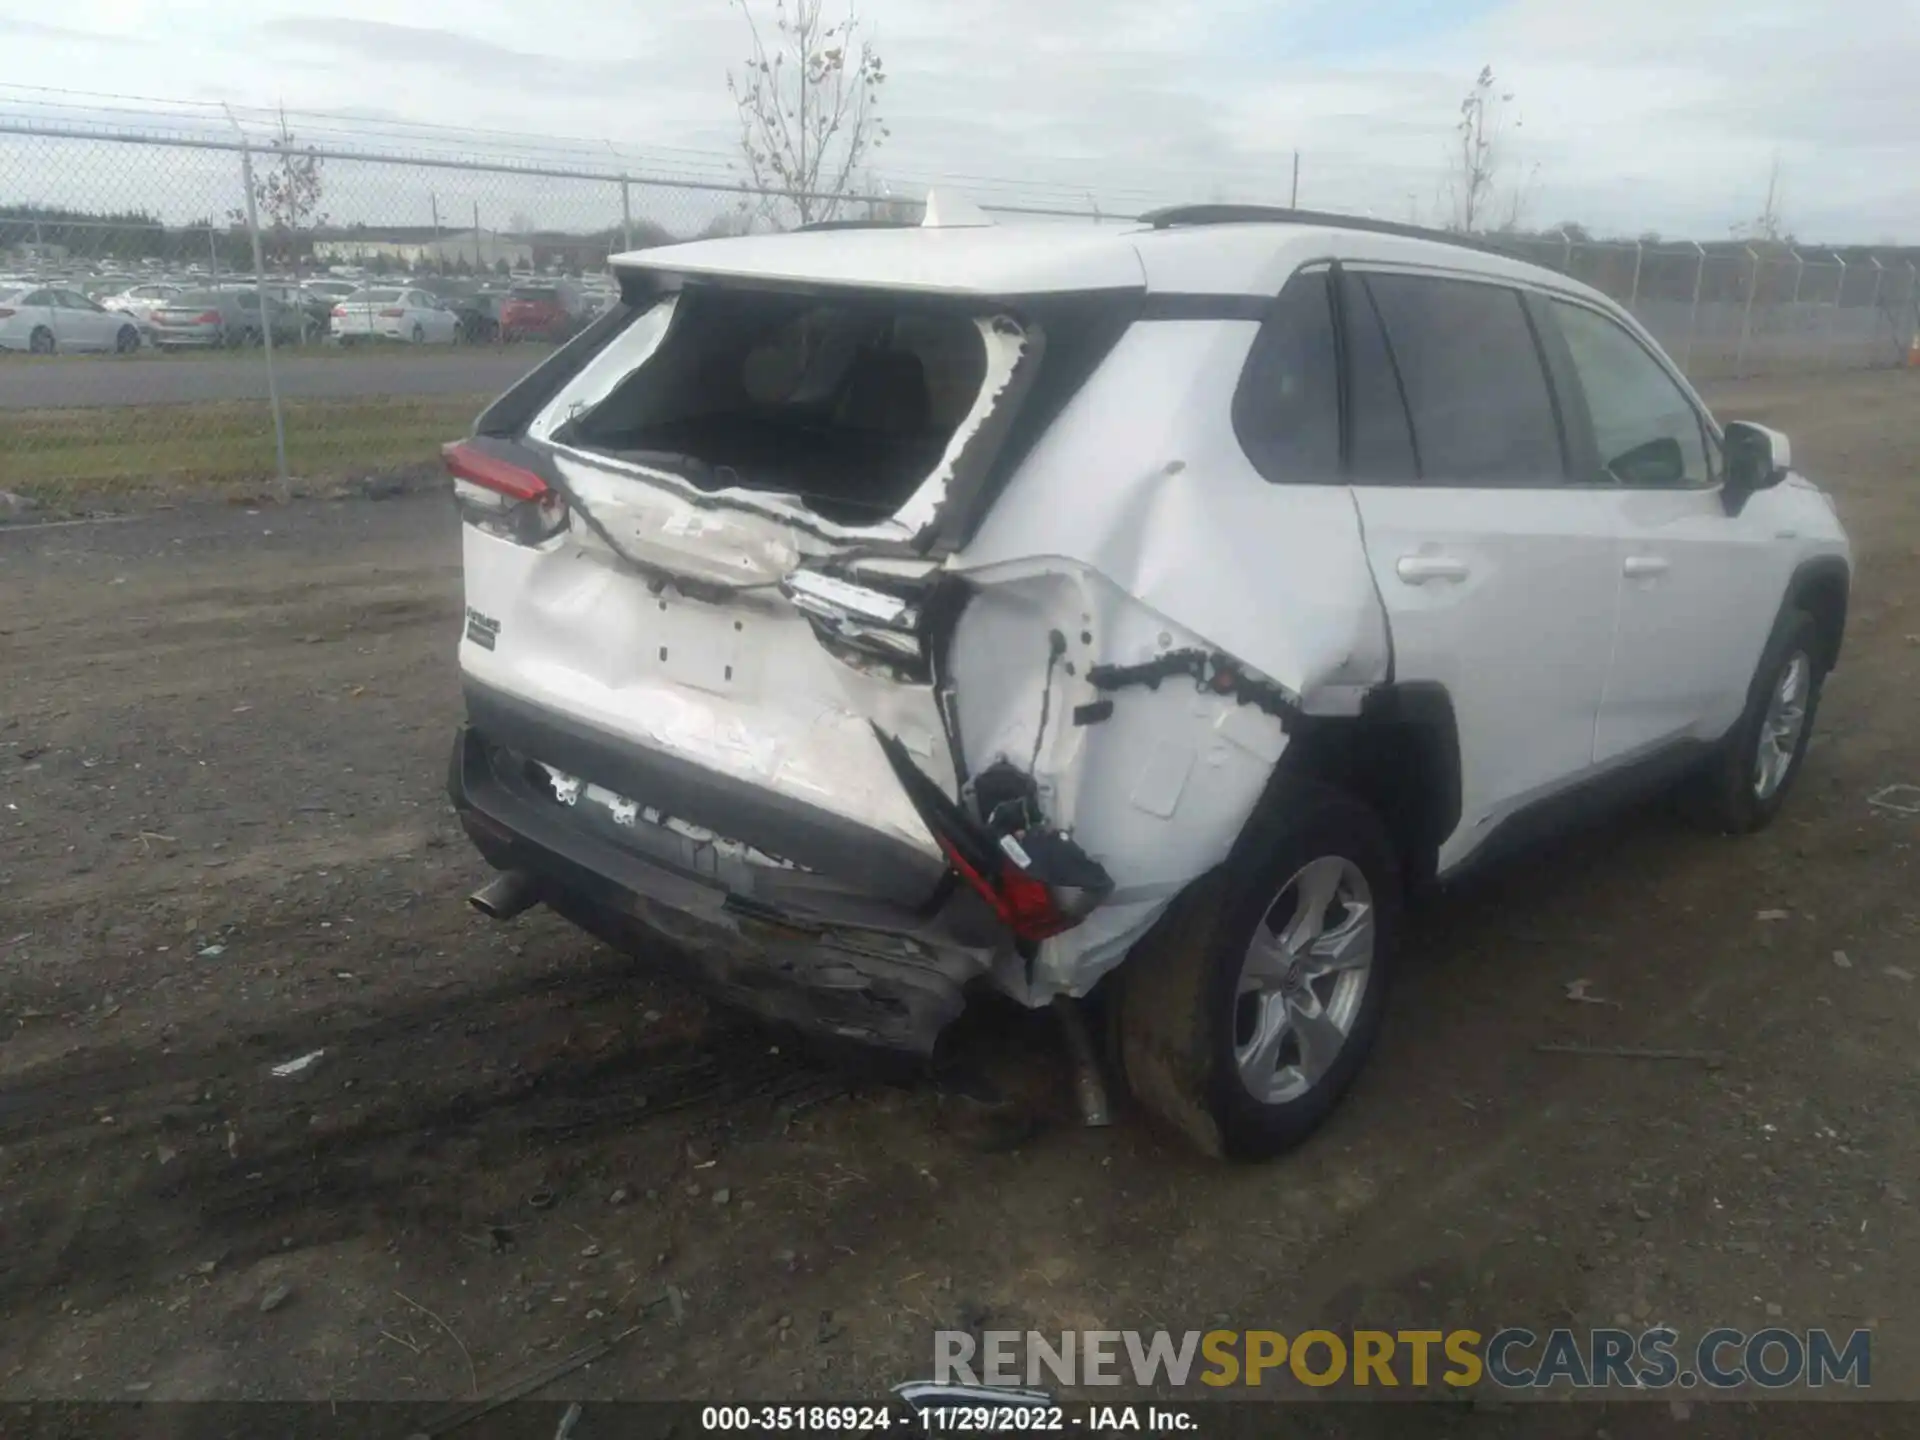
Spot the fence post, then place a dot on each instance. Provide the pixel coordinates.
(1746, 320)
(1839, 295)
(626, 214)
(266, 319)
(1566, 253)
(1873, 305)
(1799, 269)
(1693, 311)
(1633, 292)
(1913, 280)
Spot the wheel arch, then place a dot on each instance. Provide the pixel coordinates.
(1821, 587)
(1400, 755)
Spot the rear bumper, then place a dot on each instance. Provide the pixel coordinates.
(793, 946)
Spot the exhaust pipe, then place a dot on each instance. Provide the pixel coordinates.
(506, 895)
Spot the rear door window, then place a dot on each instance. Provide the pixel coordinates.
(1476, 389)
(1380, 440)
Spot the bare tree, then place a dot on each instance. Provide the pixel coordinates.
(809, 104)
(1478, 153)
(1768, 225)
(286, 189)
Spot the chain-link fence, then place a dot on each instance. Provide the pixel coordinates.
(1730, 310)
(255, 313)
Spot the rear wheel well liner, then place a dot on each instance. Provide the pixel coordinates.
(1400, 755)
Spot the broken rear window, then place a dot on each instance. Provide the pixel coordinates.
(846, 403)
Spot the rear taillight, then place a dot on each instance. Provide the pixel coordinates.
(501, 497)
(1038, 880)
(392, 314)
(339, 312)
(208, 317)
(6, 314)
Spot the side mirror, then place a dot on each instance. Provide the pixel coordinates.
(1757, 459)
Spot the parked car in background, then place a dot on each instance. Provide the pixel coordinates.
(140, 301)
(478, 314)
(329, 293)
(211, 318)
(48, 319)
(550, 311)
(410, 315)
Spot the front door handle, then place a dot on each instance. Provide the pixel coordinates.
(1644, 567)
(1418, 569)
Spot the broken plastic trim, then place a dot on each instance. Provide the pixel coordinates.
(859, 624)
(1038, 881)
(1211, 670)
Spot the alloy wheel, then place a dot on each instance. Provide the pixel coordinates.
(1303, 980)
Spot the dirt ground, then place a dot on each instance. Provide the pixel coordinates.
(224, 845)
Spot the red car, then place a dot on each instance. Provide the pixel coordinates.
(539, 312)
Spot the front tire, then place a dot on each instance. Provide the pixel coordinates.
(127, 341)
(1744, 784)
(1244, 1016)
(419, 334)
(41, 341)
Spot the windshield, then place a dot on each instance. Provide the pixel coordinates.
(375, 297)
(199, 297)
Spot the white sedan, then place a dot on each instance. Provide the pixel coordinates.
(410, 315)
(44, 319)
(140, 301)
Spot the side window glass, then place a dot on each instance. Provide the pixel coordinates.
(1382, 438)
(1647, 432)
(1475, 385)
(1286, 410)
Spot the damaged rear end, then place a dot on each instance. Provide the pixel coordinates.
(781, 644)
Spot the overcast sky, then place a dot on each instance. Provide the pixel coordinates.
(1628, 115)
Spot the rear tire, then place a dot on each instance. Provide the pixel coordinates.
(1742, 787)
(127, 341)
(41, 341)
(419, 334)
(1247, 1012)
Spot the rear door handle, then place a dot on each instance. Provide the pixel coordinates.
(1418, 569)
(1644, 567)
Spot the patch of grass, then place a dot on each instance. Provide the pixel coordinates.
(152, 450)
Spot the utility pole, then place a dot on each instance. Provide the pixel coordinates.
(476, 237)
(1294, 203)
(433, 200)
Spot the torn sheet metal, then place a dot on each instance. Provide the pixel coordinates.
(1203, 609)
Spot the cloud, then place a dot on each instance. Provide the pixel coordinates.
(1628, 115)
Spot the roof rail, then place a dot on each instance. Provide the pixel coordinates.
(1225, 214)
(855, 225)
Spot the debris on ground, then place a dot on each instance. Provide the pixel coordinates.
(275, 1297)
(294, 1066)
(1901, 799)
(1712, 1059)
(1899, 972)
(1840, 959)
(1774, 915)
(1577, 990)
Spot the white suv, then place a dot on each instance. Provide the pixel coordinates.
(857, 617)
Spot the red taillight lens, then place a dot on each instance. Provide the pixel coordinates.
(391, 314)
(6, 314)
(1024, 904)
(208, 317)
(465, 461)
(340, 312)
